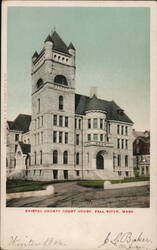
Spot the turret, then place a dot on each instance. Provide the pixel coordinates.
(72, 51)
(35, 56)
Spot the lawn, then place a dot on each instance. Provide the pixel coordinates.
(14, 186)
(100, 183)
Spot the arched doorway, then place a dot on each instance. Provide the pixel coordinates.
(99, 161)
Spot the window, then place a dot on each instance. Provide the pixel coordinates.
(40, 171)
(66, 138)
(77, 173)
(122, 145)
(89, 137)
(60, 121)
(60, 137)
(38, 138)
(55, 174)
(41, 158)
(122, 130)
(65, 157)
(118, 129)
(38, 105)
(118, 143)
(35, 124)
(41, 137)
(66, 121)
(54, 136)
(79, 123)
(95, 137)
(101, 137)
(35, 139)
(42, 121)
(60, 102)
(14, 162)
(55, 156)
(38, 122)
(119, 160)
(35, 158)
(95, 121)
(55, 120)
(16, 137)
(77, 158)
(39, 83)
(89, 123)
(101, 123)
(61, 79)
(127, 173)
(126, 130)
(75, 123)
(126, 144)
(77, 139)
(119, 173)
(109, 128)
(114, 158)
(126, 160)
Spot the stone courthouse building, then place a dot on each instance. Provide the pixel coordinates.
(69, 136)
(74, 136)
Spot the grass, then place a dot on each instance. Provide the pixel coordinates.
(100, 183)
(15, 186)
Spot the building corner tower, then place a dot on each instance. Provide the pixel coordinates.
(53, 111)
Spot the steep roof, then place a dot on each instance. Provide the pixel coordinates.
(94, 104)
(58, 43)
(21, 123)
(26, 148)
(71, 46)
(10, 123)
(85, 103)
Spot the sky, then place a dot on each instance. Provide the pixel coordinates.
(112, 53)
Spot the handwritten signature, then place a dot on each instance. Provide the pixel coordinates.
(27, 241)
(126, 240)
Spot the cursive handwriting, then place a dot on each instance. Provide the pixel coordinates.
(27, 241)
(126, 240)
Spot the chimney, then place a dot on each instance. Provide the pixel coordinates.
(93, 91)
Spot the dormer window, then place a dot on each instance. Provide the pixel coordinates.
(120, 111)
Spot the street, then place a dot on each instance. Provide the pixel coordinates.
(70, 194)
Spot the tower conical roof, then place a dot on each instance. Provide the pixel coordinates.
(48, 39)
(58, 43)
(71, 46)
(35, 54)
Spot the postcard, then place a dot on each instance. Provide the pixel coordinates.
(79, 119)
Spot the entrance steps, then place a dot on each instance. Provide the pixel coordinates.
(104, 174)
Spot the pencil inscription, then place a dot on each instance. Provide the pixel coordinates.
(28, 241)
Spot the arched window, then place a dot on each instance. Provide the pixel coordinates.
(39, 83)
(60, 102)
(77, 158)
(61, 80)
(14, 162)
(65, 157)
(55, 156)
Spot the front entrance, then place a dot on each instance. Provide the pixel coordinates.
(99, 161)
